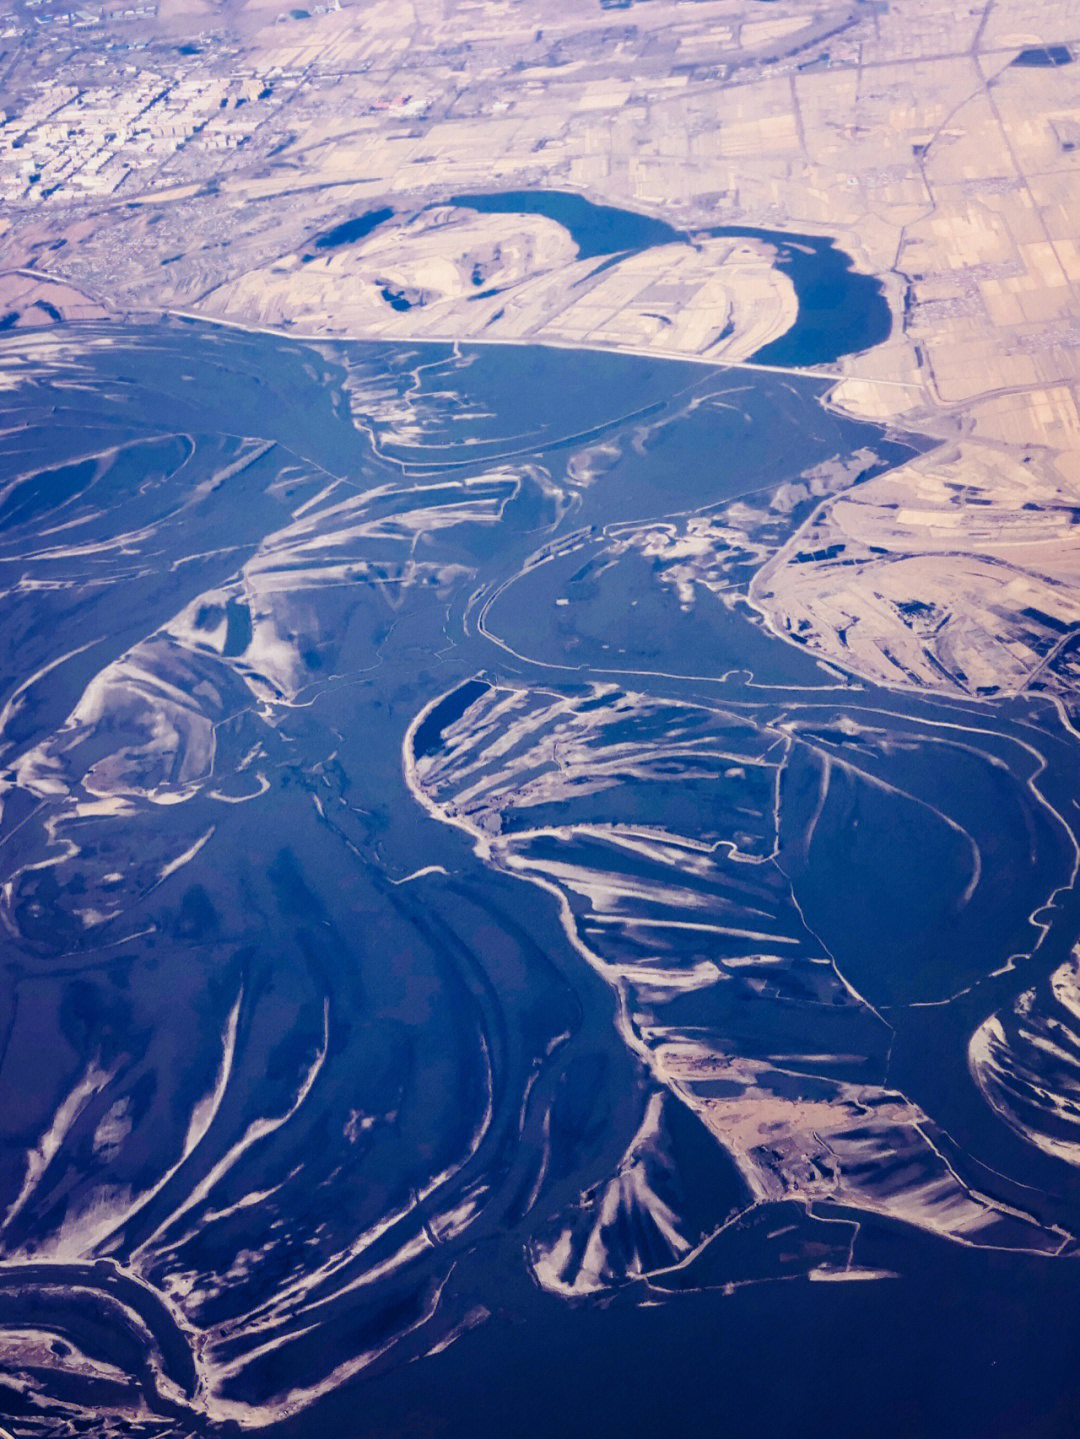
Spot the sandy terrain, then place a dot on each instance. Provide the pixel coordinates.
(912, 136)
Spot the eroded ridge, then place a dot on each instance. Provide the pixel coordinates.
(306, 1079)
(733, 1002)
(247, 1141)
(1026, 1061)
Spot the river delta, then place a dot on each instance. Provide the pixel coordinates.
(448, 933)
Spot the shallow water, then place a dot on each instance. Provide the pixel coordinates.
(443, 925)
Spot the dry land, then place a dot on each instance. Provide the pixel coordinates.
(187, 157)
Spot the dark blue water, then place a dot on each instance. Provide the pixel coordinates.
(1043, 57)
(840, 312)
(596, 230)
(349, 231)
(428, 736)
(207, 832)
